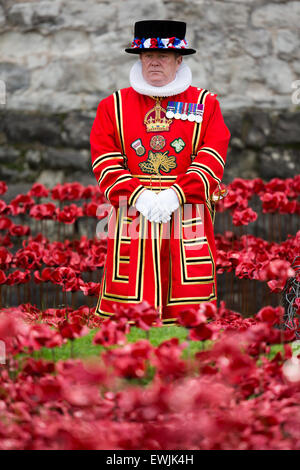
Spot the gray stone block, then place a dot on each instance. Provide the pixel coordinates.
(9, 175)
(20, 14)
(277, 74)
(14, 76)
(257, 128)
(2, 16)
(278, 162)
(8, 154)
(77, 129)
(34, 14)
(50, 178)
(240, 164)
(234, 122)
(257, 43)
(84, 177)
(286, 128)
(283, 15)
(33, 127)
(62, 158)
(33, 158)
(76, 14)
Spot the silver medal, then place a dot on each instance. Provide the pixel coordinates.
(170, 114)
(184, 115)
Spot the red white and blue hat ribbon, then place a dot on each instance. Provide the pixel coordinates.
(159, 43)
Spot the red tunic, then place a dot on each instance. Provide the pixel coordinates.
(134, 147)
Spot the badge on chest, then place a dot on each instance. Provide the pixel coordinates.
(156, 120)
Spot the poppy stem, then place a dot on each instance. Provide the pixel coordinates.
(5, 296)
(279, 227)
(47, 289)
(226, 282)
(41, 295)
(73, 302)
(64, 298)
(56, 296)
(269, 228)
(89, 314)
(231, 290)
(18, 293)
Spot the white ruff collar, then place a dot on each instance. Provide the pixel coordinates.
(182, 81)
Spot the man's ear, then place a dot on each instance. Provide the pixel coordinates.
(179, 61)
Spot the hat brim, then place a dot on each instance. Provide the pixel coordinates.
(138, 50)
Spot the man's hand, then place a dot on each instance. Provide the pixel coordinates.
(168, 203)
(157, 207)
(147, 204)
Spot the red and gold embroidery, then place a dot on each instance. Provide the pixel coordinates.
(138, 147)
(155, 120)
(157, 142)
(157, 162)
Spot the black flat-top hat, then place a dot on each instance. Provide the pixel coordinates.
(160, 35)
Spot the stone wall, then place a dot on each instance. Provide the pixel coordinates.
(59, 58)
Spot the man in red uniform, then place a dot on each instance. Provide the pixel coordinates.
(158, 153)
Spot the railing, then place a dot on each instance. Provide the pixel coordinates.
(50, 255)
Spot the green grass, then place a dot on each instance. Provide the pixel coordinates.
(83, 347)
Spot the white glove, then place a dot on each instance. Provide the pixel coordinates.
(162, 215)
(168, 202)
(147, 204)
(157, 207)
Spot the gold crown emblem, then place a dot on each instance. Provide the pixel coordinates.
(156, 120)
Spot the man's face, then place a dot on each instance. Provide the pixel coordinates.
(159, 67)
